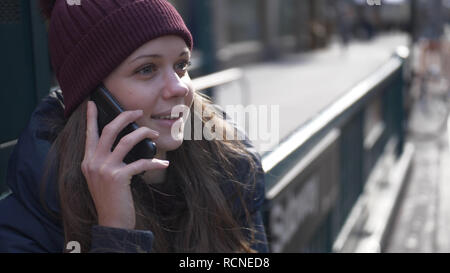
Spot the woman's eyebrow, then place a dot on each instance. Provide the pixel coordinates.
(146, 56)
(184, 53)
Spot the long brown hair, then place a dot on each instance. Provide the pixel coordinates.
(192, 211)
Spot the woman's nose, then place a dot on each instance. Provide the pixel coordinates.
(174, 86)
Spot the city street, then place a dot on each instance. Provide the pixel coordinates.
(346, 102)
(306, 83)
(423, 220)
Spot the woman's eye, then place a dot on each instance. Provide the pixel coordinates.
(146, 70)
(183, 66)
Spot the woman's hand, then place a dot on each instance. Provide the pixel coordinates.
(108, 177)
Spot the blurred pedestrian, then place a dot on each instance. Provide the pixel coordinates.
(344, 18)
(206, 200)
(430, 33)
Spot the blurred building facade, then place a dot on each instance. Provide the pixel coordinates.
(231, 33)
(234, 32)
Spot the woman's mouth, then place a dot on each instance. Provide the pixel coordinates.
(166, 120)
(168, 117)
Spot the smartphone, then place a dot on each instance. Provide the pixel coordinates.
(108, 108)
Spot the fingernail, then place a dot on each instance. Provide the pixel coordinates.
(165, 162)
(90, 106)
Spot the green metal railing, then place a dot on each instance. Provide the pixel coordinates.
(316, 175)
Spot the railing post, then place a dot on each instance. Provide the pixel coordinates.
(204, 42)
(403, 53)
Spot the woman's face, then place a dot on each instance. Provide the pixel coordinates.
(154, 78)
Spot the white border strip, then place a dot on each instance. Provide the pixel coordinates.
(8, 144)
(218, 78)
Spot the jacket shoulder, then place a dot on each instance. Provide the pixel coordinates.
(25, 225)
(21, 231)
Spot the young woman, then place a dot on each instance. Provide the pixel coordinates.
(69, 183)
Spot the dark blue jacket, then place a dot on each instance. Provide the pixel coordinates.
(26, 226)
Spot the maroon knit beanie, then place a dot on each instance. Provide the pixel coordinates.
(88, 39)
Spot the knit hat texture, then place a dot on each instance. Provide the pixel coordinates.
(88, 39)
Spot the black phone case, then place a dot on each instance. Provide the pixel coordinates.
(108, 108)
